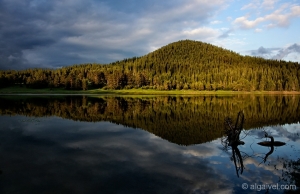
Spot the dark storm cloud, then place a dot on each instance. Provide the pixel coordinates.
(20, 30)
(39, 33)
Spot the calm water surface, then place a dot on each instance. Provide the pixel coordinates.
(81, 144)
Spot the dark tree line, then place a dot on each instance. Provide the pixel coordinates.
(180, 65)
(182, 120)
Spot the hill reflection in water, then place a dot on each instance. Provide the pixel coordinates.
(183, 120)
(57, 144)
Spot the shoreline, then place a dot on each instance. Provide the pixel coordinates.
(58, 91)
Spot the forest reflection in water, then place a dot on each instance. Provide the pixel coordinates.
(46, 146)
(181, 120)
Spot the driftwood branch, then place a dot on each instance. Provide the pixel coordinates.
(233, 132)
(233, 139)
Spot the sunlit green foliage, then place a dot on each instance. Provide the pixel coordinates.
(179, 65)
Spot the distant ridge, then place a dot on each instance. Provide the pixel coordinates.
(184, 64)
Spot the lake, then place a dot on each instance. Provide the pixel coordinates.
(147, 144)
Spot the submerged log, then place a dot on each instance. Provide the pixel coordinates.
(270, 143)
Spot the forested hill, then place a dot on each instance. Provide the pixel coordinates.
(180, 65)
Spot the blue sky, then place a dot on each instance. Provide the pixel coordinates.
(56, 33)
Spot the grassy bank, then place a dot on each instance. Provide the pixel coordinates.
(24, 90)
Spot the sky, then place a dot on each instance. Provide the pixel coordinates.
(57, 33)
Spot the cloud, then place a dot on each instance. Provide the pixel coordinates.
(268, 4)
(276, 53)
(261, 51)
(216, 22)
(201, 33)
(252, 5)
(244, 23)
(256, 4)
(58, 33)
(284, 52)
(278, 18)
(226, 33)
(258, 30)
(229, 19)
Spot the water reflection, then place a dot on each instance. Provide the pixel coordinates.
(232, 139)
(268, 165)
(181, 120)
(46, 148)
(63, 156)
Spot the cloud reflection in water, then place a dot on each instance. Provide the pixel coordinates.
(62, 156)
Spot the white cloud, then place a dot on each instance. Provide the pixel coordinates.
(202, 32)
(258, 30)
(278, 18)
(268, 4)
(230, 42)
(216, 22)
(244, 23)
(256, 4)
(252, 5)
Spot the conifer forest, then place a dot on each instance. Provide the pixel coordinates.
(180, 65)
